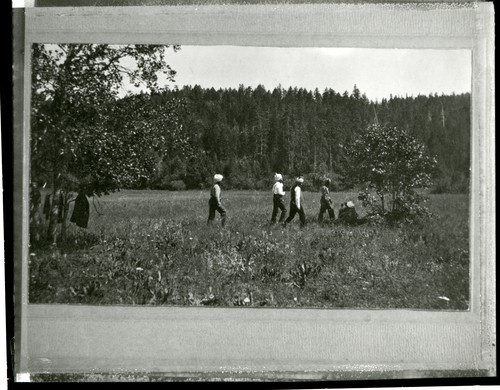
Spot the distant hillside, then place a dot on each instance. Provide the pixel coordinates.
(247, 134)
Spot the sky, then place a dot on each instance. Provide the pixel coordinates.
(378, 73)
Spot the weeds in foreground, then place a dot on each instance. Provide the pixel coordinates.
(153, 249)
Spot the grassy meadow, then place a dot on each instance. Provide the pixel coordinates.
(154, 248)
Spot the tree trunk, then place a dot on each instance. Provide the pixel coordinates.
(53, 217)
(315, 158)
(261, 141)
(54, 212)
(64, 212)
(330, 157)
(382, 199)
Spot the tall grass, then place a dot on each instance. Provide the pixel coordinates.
(154, 247)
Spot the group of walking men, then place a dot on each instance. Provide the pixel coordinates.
(347, 212)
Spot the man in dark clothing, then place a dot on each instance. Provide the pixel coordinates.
(296, 202)
(326, 202)
(342, 211)
(214, 203)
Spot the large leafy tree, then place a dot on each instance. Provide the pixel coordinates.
(84, 137)
(128, 147)
(394, 165)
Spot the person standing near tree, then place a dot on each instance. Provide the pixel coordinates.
(214, 204)
(278, 195)
(326, 202)
(297, 202)
(81, 210)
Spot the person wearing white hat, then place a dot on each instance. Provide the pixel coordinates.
(326, 202)
(348, 214)
(278, 195)
(214, 203)
(297, 202)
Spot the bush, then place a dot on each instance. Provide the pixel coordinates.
(176, 185)
(264, 184)
(314, 181)
(456, 183)
(392, 164)
(241, 183)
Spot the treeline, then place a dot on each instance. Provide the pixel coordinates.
(247, 134)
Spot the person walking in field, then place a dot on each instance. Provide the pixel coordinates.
(326, 202)
(278, 195)
(214, 204)
(297, 202)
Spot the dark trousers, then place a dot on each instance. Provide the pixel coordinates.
(278, 204)
(212, 208)
(294, 210)
(326, 205)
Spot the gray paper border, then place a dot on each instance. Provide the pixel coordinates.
(344, 25)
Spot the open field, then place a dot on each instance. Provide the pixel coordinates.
(154, 248)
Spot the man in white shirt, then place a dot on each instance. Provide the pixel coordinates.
(278, 195)
(297, 202)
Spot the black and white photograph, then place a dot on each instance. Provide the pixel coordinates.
(255, 193)
(250, 176)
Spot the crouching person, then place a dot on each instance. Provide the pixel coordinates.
(326, 202)
(348, 214)
(214, 204)
(296, 202)
(278, 195)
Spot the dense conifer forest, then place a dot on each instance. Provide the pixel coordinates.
(247, 134)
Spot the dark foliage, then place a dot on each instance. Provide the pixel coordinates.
(247, 134)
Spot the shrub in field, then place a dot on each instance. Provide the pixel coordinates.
(451, 183)
(313, 181)
(176, 185)
(394, 165)
(264, 184)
